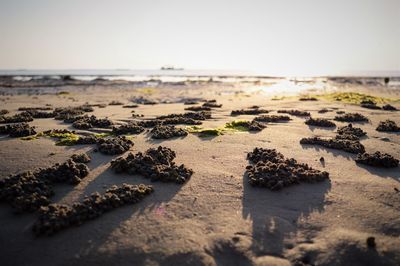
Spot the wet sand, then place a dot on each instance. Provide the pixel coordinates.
(216, 217)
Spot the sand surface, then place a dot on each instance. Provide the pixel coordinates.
(216, 218)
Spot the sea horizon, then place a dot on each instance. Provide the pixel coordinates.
(185, 72)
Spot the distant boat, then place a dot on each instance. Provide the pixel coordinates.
(170, 68)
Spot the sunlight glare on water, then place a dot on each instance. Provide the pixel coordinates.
(289, 86)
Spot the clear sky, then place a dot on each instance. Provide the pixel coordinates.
(285, 37)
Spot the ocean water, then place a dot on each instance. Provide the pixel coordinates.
(134, 75)
(225, 76)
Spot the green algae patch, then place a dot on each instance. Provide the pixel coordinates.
(64, 139)
(69, 138)
(102, 135)
(130, 137)
(231, 127)
(355, 97)
(237, 125)
(205, 132)
(32, 137)
(147, 90)
(281, 98)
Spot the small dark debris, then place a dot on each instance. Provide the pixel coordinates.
(371, 242)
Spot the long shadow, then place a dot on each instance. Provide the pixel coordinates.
(390, 133)
(382, 172)
(106, 224)
(334, 152)
(5, 138)
(100, 230)
(313, 128)
(275, 215)
(149, 139)
(86, 239)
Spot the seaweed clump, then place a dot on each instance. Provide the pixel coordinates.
(28, 191)
(18, 130)
(115, 145)
(324, 110)
(25, 192)
(64, 137)
(206, 132)
(319, 122)
(70, 172)
(244, 125)
(388, 126)
(192, 115)
(87, 122)
(43, 108)
(4, 111)
(251, 111)
(378, 159)
(308, 99)
(351, 117)
(389, 107)
(167, 132)
(17, 118)
(148, 123)
(129, 128)
(212, 104)
(68, 138)
(350, 132)
(272, 118)
(294, 112)
(114, 102)
(63, 113)
(156, 164)
(143, 100)
(37, 113)
(198, 108)
(272, 170)
(339, 143)
(56, 217)
(190, 102)
(369, 104)
(353, 97)
(81, 158)
(130, 106)
(179, 120)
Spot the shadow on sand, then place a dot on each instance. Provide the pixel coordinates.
(275, 214)
(81, 244)
(334, 152)
(382, 172)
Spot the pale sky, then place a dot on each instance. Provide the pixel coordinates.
(276, 37)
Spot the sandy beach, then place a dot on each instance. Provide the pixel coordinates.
(214, 216)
